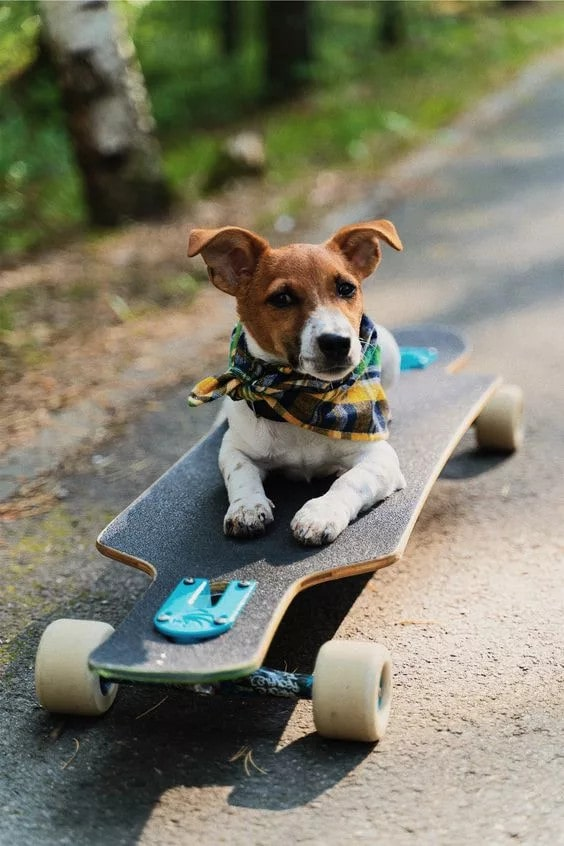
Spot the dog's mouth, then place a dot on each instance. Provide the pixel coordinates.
(326, 371)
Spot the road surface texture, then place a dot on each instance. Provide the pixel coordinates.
(473, 613)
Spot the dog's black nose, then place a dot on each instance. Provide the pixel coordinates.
(334, 347)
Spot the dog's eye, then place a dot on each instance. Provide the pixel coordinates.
(281, 300)
(345, 289)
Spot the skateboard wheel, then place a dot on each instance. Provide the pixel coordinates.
(64, 682)
(499, 426)
(352, 690)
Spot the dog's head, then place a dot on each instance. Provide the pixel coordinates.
(301, 304)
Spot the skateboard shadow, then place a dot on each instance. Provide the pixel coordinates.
(112, 777)
(467, 462)
(299, 771)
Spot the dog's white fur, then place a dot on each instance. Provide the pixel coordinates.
(367, 471)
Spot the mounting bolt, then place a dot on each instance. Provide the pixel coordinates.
(220, 621)
(243, 583)
(188, 581)
(162, 618)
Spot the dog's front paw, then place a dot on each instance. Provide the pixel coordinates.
(319, 522)
(248, 520)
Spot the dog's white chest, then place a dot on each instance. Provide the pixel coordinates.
(295, 450)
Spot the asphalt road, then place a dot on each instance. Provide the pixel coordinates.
(473, 614)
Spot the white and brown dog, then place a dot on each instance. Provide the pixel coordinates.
(303, 342)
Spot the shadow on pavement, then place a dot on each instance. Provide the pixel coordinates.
(468, 462)
(83, 781)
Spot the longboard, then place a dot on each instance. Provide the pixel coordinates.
(173, 531)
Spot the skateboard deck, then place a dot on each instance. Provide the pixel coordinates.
(174, 531)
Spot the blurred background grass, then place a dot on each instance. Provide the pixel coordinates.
(361, 105)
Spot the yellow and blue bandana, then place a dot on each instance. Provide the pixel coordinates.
(354, 408)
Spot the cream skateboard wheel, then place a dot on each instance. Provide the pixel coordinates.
(499, 425)
(352, 688)
(64, 682)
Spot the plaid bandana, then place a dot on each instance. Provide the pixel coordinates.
(354, 408)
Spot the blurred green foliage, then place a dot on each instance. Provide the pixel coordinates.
(191, 81)
(19, 30)
(39, 187)
(363, 104)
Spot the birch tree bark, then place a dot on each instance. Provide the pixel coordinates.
(108, 111)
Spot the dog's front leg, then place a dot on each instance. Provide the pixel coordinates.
(376, 475)
(250, 510)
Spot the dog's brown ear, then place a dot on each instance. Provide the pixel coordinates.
(359, 244)
(230, 253)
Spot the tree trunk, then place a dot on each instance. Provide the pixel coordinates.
(229, 26)
(391, 23)
(288, 47)
(515, 4)
(108, 111)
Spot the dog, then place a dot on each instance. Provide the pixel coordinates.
(307, 379)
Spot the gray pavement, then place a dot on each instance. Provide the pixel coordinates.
(473, 614)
